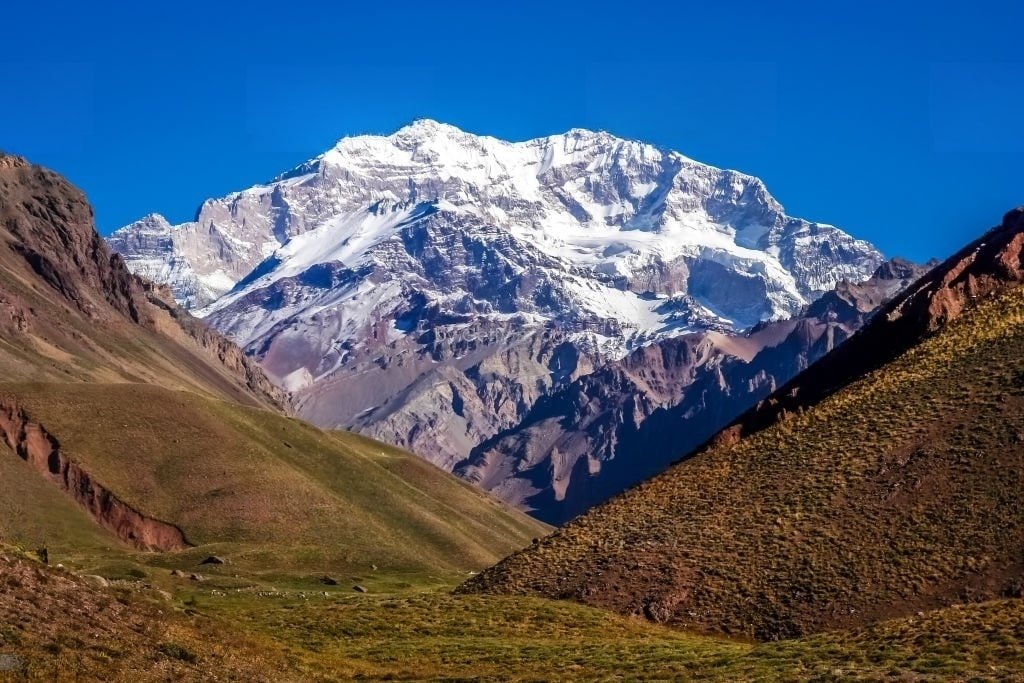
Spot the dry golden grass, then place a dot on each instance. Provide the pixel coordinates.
(901, 492)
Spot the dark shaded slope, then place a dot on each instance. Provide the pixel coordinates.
(631, 419)
(900, 491)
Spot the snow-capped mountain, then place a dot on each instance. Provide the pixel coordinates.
(427, 287)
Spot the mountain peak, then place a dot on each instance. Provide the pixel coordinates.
(610, 244)
(431, 128)
(154, 220)
(591, 133)
(623, 211)
(425, 126)
(12, 161)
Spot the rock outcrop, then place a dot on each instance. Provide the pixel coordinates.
(50, 225)
(33, 444)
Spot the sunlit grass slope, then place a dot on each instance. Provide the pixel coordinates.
(270, 493)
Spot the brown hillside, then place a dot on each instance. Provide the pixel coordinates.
(70, 310)
(879, 494)
(58, 626)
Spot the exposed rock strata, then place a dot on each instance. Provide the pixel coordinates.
(33, 444)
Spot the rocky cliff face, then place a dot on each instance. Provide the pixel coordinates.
(33, 444)
(49, 226)
(632, 418)
(429, 286)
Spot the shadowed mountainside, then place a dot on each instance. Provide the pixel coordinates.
(884, 480)
(630, 419)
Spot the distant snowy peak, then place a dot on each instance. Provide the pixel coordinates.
(610, 218)
(429, 286)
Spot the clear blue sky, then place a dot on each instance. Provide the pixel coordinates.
(901, 122)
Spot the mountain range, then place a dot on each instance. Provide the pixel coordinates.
(631, 418)
(442, 291)
(163, 517)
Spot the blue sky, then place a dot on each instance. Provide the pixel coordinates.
(899, 122)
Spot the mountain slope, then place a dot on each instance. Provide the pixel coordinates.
(883, 480)
(271, 493)
(630, 419)
(979, 270)
(130, 432)
(71, 310)
(427, 287)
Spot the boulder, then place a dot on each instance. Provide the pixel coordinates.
(97, 581)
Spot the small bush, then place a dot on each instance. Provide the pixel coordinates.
(176, 651)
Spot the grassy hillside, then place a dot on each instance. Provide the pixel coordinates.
(46, 339)
(270, 493)
(444, 637)
(129, 426)
(901, 492)
(60, 626)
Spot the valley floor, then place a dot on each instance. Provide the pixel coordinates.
(156, 627)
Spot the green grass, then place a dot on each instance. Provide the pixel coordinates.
(435, 635)
(35, 513)
(65, 629)
(277, 497)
